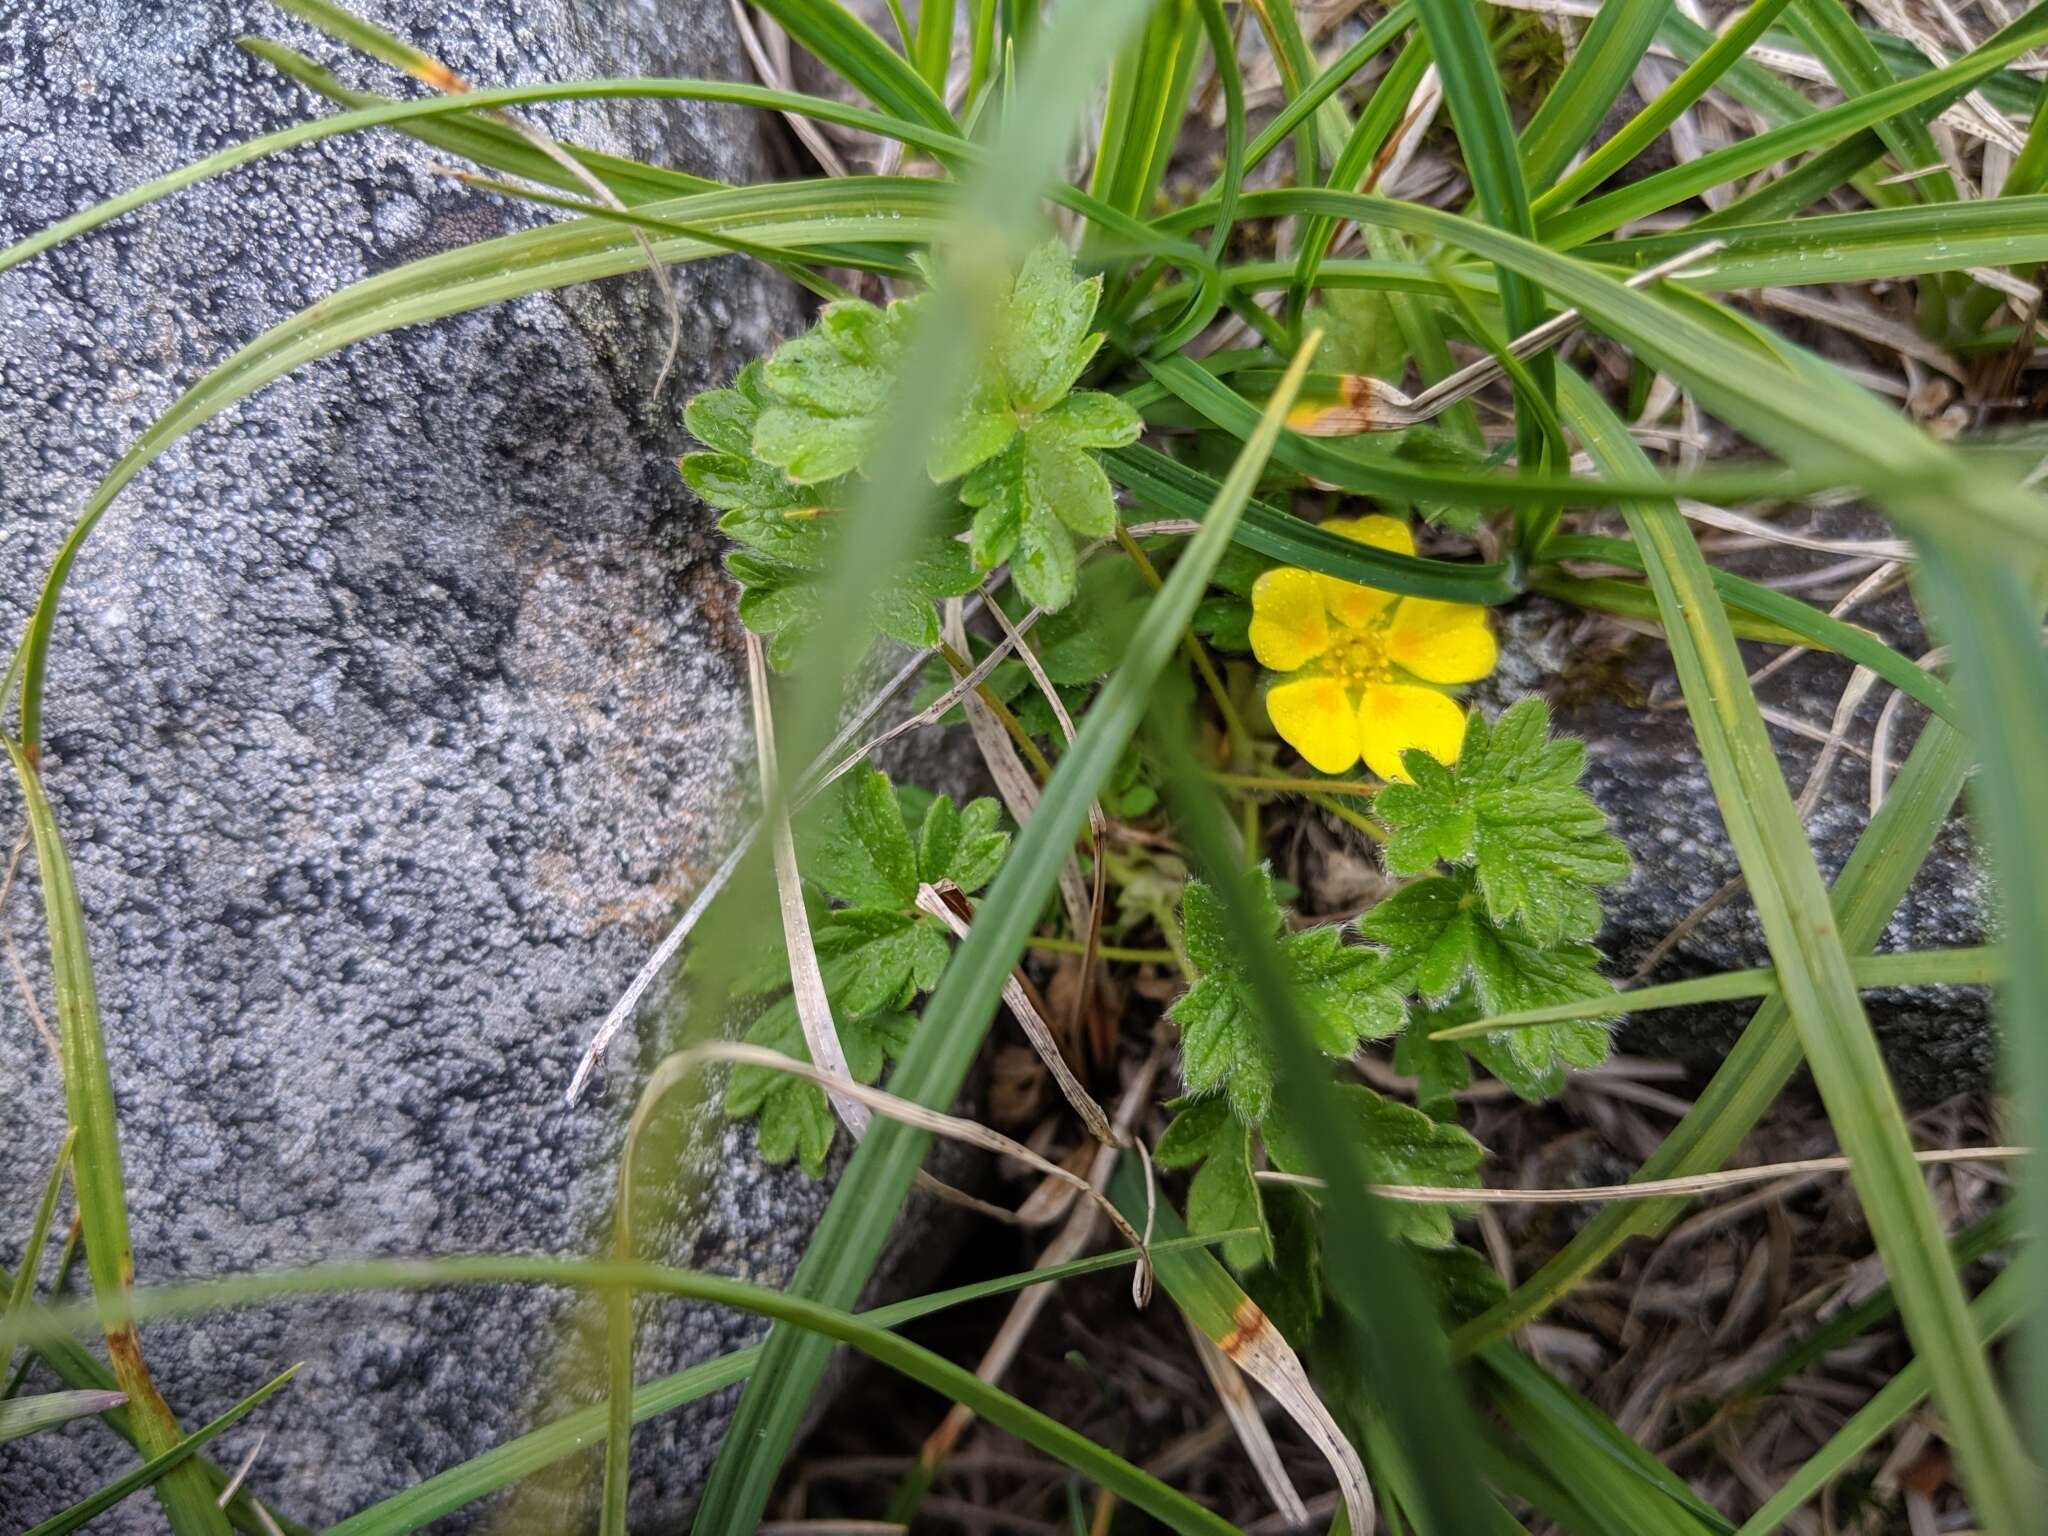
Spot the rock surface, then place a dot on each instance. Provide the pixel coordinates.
(390, 716)
(1645, 770)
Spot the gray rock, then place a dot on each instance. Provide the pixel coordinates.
(1646, 772)
(391, 714)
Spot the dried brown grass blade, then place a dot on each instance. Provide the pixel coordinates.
(1647, 1189)
(879, 1100)
(1252, 1433)
(953, 909)
(807, 981)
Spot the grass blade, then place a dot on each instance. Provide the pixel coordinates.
(1813, 971)
(1670, 187)
(20, 1416)
(1178, 491)
(32, 1254)
(96, 1160)
(2004, 1303)
(1973, 966)
(1990, 613)
(172, 1461)
(1217, 1305)
(1472, 91)
(1763, 1059)
(503, 1465)
(1601, 66)
(1832, 36)
(850, 48)
(1173, 1509)
(1390, 1337)
(1640, 131)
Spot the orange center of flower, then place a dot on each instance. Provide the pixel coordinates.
(1360, 656)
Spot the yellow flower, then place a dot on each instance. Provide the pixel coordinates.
(1360, 661)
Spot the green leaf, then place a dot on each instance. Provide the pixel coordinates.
(828, 388)
(1044, 484)
(1042, 340)
(1086, 640)
(1439, 1068)
(964, 845)
(1511, 808)
(790, 534)
(1440, 942)
(874, 958)
(1465, 1285)
(860, 849)
(1341, 990)
(792, 1117)
(176, 1458)
(1224, 1196)
(1289, 1289)
(1398, 1144)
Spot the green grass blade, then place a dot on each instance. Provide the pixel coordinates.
(1855, 247)
(848, 1239)
(1640, 131)
(1343, 69)
(173, 1461)
(1141, 117)
(1848, 162)
(912, 1360)
(1813, 626)
(1372, 469)
(1634, 599)
(1479, 112)
(96, 1158)
(1217, 1306)
(76, 1367)
(493, 270)
(1383, 114)
(1179, 491)
(1612, 1476)
(1600, 68)
(24, 1288)
(2004, 1303)
(849, 47)
(503, 1465)
(486, 141)
(1670, 187)
(367, 37)
(1832, 36)
(1813, 971)
(933, 47)
(1990, 612)
(22, 1416)
(1282, 29)
(401, 113)
(1973, 966)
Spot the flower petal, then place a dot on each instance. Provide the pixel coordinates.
(1288, 623)
(1442, 642)
(1394, 717)
(1314, 716)
(1351, 603)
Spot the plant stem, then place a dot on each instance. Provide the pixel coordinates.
(1193, 649)
(1286, 784)
(1107, 951)
(1040, 768)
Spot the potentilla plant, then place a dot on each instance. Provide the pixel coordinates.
(1204, 553)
